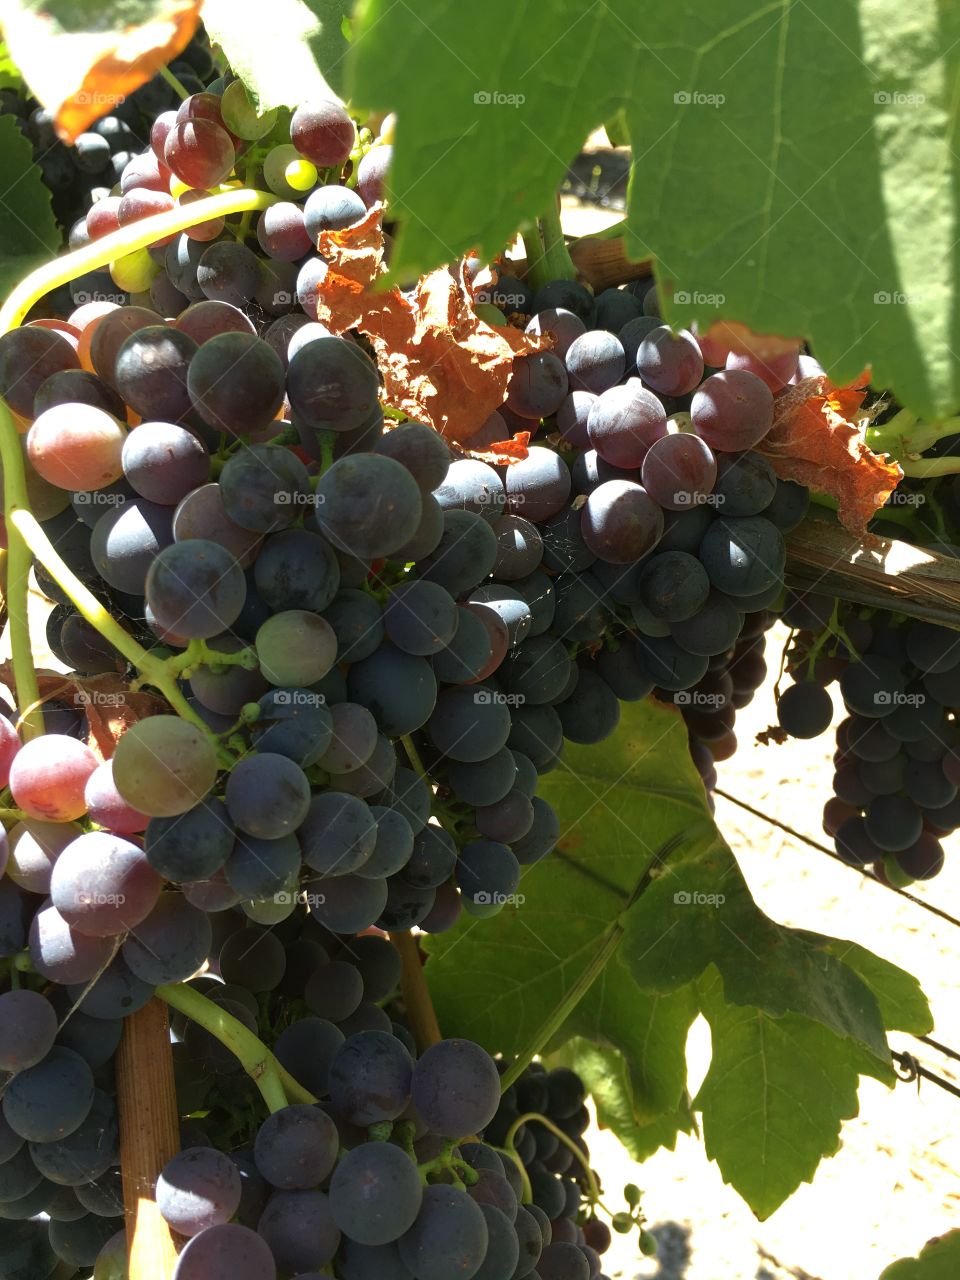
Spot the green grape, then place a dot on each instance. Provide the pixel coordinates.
(241, 117)
(163, 766)
(296, 648)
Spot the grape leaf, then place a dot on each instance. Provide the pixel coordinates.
(607, 1076)
(10, 77)
(774, 1097)
(699, 914)
(28, 230)
(815, 441)
(622, 805)
(300, 58)
(440, 363)
(795, 165)
(82, 59)
(939, 1260)
(903, 1006)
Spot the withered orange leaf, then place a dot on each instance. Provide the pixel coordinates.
(80, 66)
(734, 336)
(503, 453)
(440, 363)
(815, 441)
(107, 702)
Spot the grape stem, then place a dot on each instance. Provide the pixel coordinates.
(275, 1083)
(569, 1143)
(175, 84)
(446, 1162)
(25, 534)
(199, 654)
(905, 435)
(154, 670)
(416, 993)
(610, 940)
(547, 255)
(138, 235)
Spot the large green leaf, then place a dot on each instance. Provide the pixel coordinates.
(903, 1006)
(28, 229)
(607, 1076)
(299, 58)
(774, 1097)
(505, 981)
(699, 913)
(938, 1260)
(795, 164)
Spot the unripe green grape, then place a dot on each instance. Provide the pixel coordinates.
(240, 115)
(134, 272)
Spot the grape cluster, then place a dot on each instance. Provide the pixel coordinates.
(662, 538)
(897, 760)
(78, 176)
(542, 1118)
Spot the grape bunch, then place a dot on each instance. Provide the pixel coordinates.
(79, 175)
(663, 536)
(541, 1120)
(897, 764)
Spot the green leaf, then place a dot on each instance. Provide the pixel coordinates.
(10, 77)
(504, 981)
(302, 58)
(618, 804)
(29, 235)
(618, 134)
(903, 1006)
(796, 167)
(607, 1076)
(938, 1260)
(699, 913)
(774, 1098)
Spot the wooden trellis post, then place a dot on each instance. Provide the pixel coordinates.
(149, 1137)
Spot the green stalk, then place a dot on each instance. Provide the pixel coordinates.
(547, 255)
(904, 434)
(31, 536)
(558, 1016)
(930, 468)
(275, 1084)
(119, 243)
(175, 84)
(571, 1146)
(611, 939)
(24, 533)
